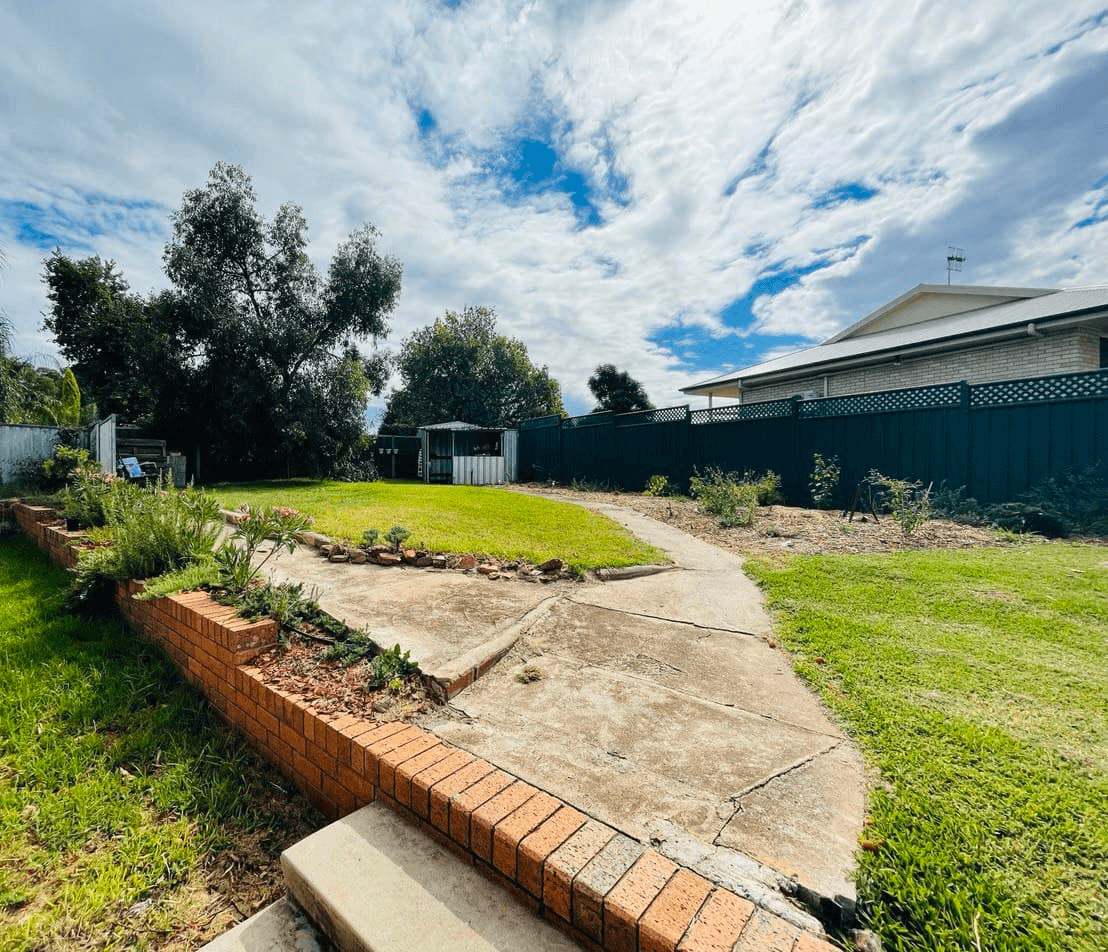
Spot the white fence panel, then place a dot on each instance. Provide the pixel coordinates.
(21, 441)
(102, 443)
(478, 470)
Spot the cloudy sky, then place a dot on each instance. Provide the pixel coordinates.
(677, 188)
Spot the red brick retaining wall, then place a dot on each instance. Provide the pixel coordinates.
(599, 886)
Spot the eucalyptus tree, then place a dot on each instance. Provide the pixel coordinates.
(253, 358)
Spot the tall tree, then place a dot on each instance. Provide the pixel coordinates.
(253, 358)
(269, 328)
(617, 390)
(459, 368)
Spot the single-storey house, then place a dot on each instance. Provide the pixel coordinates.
(467, 455)
(934, 334)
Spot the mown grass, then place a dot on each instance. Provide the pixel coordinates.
(478, 519)
(117, 783)
(975, 682)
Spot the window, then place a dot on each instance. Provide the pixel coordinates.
(1103, 352)
(477, 443)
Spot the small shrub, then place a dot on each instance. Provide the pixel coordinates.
(767, 487)
(66, 462)
(658, 486)
(390, 664)
(908, 503)
(153, 530)
(355, 647)
(397, 536)
(724, 497)
(529, 674)
(1080, 497)
(955, 505)
(370, 537)
(592, 486)
(84, 497)
(1024, 517)
(824, 480)
(236, 556)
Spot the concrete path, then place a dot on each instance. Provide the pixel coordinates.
(660, 709)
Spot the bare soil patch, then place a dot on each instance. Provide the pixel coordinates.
(778, 529)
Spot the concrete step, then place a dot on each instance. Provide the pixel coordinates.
(281, 927)
(374, 883)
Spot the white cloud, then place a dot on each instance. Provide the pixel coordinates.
(677, 100)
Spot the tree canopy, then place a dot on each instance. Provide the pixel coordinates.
(459, 368)
(253, 358)
(617, 391)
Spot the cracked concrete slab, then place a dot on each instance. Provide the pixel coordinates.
(629, 748)
(662, 709)
(730, 669)
(802, 818)
(437, 615)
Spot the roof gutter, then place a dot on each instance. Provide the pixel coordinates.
(1031, 329)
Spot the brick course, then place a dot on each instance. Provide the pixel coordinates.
(1063, 352)
(601, 888)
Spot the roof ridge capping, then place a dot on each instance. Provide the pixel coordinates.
(974, 297)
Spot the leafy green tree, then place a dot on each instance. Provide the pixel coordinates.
(41, 395)
(459, 368)
(617, 390)
(121, 350)
(272, 334)
(252, 359)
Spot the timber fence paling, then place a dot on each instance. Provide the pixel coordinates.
(996, 439)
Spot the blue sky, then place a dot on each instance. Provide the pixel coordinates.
(679, 189)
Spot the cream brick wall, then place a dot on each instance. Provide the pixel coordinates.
(1070, 352)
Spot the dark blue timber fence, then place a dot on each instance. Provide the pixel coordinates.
(996, 439)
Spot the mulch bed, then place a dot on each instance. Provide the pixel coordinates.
(778, 529)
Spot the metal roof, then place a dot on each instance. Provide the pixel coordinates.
(452, 425)
(1044, 308)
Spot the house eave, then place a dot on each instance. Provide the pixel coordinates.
(732, 386)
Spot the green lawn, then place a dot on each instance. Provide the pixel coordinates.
(975, 682)
(118, 785)
(479, 519)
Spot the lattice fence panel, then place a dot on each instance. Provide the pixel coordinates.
(769, 410)
(886, 401)
(1040, 389)
(663, 415)
(589, 419)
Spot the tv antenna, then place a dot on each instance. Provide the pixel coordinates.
(954, 259)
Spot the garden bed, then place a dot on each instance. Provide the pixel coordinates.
(778, 529)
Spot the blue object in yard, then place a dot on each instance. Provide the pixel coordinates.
(131, 468)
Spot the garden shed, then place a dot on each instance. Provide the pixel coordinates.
(466, 455)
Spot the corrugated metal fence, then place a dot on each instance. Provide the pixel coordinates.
(19, 442)
(996, 439)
